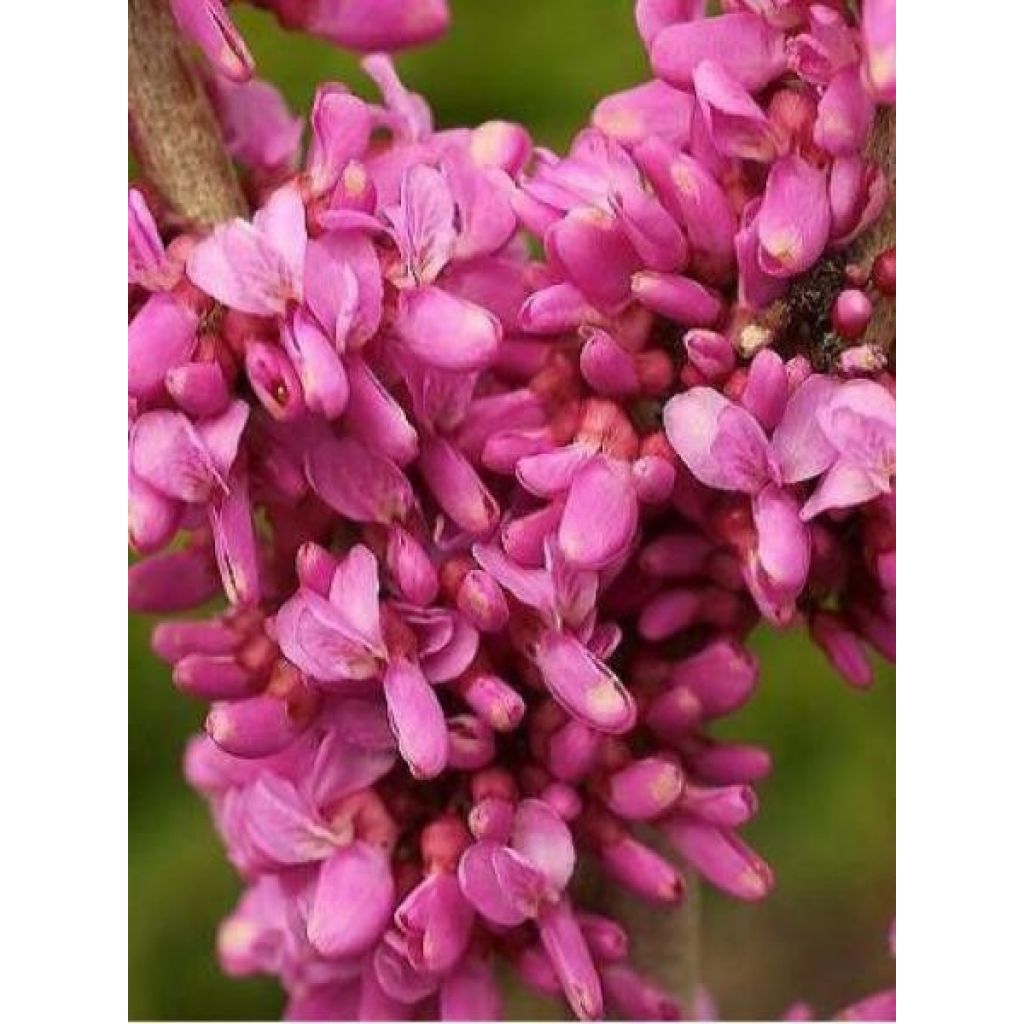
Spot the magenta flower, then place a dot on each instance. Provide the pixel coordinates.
(474, 615)
(525, 880)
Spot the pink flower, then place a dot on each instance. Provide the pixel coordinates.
(255, 268)
(509, 884)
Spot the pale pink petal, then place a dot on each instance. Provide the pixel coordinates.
(799, 445)
(846, 484)
(423, 224)
(506, 904)
(282, 825)
(720, 443)
(543, 838)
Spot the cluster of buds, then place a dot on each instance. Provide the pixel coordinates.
(493, 530)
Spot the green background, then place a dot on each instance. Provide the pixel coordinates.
(828, 814)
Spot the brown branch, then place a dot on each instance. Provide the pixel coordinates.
(172, 126)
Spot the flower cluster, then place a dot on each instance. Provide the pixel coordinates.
(493, 529)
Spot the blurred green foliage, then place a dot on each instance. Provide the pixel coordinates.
(828, 818)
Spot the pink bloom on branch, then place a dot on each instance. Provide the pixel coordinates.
(255, 267)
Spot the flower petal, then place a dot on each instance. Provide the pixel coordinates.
(353, 902)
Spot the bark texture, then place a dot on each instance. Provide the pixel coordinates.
(173, 130)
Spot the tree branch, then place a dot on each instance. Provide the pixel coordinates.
(173, 130)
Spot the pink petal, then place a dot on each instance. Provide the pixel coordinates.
(355, 592)
(845, 115)
(595, 254)
(721, 857)
(423, 224)
(369, 25)
(542, 837)
(353, 901)
(745, 45)
(375, 418)
(653, 108)
(657, 239)
(173, 581)
(767, 388)
(486, 218)
(341, 126)
(435, 920)
(315, 637)
(320, 371)
(207, 24)
(147, 261)
(721, 444)
(860, 422)
(652, 16)
(235, 545)
(531, 586)
(499, 883)
(161, 336)
(341, 767)
(168, 453)
(793, 224)
(681, 299)
(878, 26)
(282, 825)
(445, 331)
(582, 684)
(567, 950)
(783, 544)
(282, 221)
(471, 992)
(756, 288)
(601, 514)
(457, 487)
(358, 483)
(695, 198)
(259, 129)
(799, 445)
(240, 268)
(153, 518)
(737, 125)
(416, 719)
(331, 263)
(845, 485)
